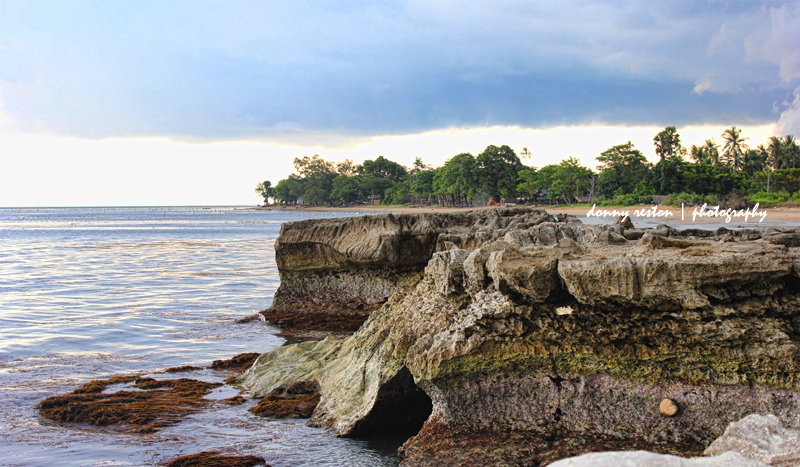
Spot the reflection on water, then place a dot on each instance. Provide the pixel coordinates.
(97, 292)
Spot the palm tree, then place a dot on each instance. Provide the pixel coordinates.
(777, 156)
(668, 143)
(699, 154)
(792, 150)
(711, 148)
(734, 147)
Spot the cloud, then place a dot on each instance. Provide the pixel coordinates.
(779, 41)
(789, 122)
(314, 70)
(702, 85)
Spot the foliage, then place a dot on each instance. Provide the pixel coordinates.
(623, 167)
(422, 185)
(770, 173)
(668, 143)
(456, 181)
(497, 173)
(689, 199)
(570, 179)
(384, 168)
(266, 191)
(734, 148)
(529, 184)
(769, 199)
(623, 200)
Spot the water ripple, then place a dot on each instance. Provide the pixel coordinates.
(97, 292)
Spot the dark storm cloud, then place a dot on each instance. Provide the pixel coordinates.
(251, 69)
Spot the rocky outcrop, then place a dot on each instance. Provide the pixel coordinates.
(339, 269)
(552, 329)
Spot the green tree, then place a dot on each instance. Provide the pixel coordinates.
(529, 184)
(497, 171)
(266, 191)
(317, 175)
(400, 193)
(668, 143)
(708, 153)
(570, 179)
(456, 182)
(623, 168)
(345, 189)
(418, 166)
(384, 168)
(290, 189)
(754, 160)
(668, 176)
(422, 186)
(347, 168)
(734, 148)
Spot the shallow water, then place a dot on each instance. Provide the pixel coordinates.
(90, 293)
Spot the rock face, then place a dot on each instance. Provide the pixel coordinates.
(521, 325)
(350, 267)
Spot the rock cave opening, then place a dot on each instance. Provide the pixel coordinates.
(400, 410)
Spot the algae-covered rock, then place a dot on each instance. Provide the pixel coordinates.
(521, 323)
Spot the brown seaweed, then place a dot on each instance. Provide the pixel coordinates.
(215, 459)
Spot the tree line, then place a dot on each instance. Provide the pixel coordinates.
(711, 172)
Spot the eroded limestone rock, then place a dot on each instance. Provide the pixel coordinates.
(707, 320)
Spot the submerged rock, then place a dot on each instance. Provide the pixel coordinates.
(299, 406)
(156, 403)
(215, 459)
(534, 326)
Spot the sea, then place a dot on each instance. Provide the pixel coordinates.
(92, 293)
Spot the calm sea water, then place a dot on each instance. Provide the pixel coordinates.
(92, 293)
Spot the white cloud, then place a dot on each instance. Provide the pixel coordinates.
(789, 122)
(702, 85)
(779, 41)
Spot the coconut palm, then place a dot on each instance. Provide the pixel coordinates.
(792, 150)
(734, 147)
(711, 148)
(777, 156)
(698, 154)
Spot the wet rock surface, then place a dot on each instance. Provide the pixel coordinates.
(299, 406)
(520, 322)
(215, 459)
(157, 403)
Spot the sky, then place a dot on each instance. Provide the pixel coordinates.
(193, 103)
